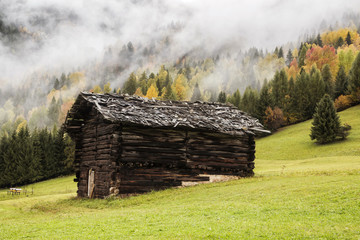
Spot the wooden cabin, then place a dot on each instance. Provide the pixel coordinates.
(127, 144)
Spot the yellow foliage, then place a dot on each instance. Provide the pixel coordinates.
(21, 125)
(330, 38)
(53, 93)
(152, 92)
(97, 89)
(138, 92)
(346, 57)
(107, 88)
(78, 78)
(180, 87)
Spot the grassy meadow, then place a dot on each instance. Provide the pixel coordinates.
(300, 191)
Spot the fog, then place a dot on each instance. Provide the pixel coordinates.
(64, 35)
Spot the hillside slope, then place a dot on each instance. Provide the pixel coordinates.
(300, 190)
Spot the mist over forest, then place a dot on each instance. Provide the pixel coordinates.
(51, 50)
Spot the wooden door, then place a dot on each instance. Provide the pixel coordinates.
(91, 183)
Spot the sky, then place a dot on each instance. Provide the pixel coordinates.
(71, 33)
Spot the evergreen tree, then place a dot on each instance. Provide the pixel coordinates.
(319, 41)
(289, 58)
(339, 42)
(316, 89)
(53, 111)
(327, 78)
(222, 97)
(130, 85)
(301, 100)
(236, 98)
(302, 56)
(279, 88)
(326, 123)
(169, 93)
(249, 101)
(281, 53)
(348, 39)
(265, 101)
(196, 93)
(341, 82)
(354, 78)
(143, 83)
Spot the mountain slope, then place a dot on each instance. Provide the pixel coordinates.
(300, 190)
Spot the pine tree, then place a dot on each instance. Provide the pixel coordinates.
(302, 56)
(319, 41)
(341, 82)
(326, 123)
(265, 101)
(279, 88)
(281, 53)
(348, 39)
(222, 97)
(289, 58)
(130, 85)
(169, 93)
(339, 42)
(316, 89)
(327, 78)
(354, 78)
(196, 93)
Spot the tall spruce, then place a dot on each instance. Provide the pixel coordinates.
(329, 83)
(289, 58)
(341, 82)
(326, 122)
(196, 93)
(348, 39)
(130, 85)
(354, 79)
(316, 89)
(222, 97)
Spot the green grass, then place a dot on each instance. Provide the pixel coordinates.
(300, 191)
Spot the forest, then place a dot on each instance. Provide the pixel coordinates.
(279, 87)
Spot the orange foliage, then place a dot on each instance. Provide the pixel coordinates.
(65, 107)
(343, 102)
(293, 69)
(273, 118)
(321, 56)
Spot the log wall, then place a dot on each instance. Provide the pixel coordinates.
(130, 159)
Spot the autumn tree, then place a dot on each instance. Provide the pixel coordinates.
(321, 56)
(152, 92)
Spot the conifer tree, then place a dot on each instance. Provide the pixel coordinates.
(281, 53)
(339, 42)
(327, 78)
(348, 39)
(169, 93)
(289, 58)
(316, 89)
(302, 56)
(222, 97)
(130, 85)
(265, 101)
(319, 41)
(354, 78)
(326, 123)
(341, 82)
(196, 93)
